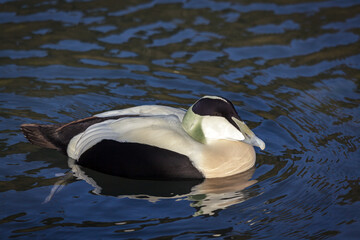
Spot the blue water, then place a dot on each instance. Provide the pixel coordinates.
(290, 68)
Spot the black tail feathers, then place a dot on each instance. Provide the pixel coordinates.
(42, 135)
(58, 136)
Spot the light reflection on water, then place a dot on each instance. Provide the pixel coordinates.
(291, 69)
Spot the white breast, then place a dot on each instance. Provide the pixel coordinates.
(222, 158)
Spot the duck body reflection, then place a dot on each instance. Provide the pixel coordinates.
(206, 195)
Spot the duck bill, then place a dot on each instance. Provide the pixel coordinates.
(249, 136)
(257, 142)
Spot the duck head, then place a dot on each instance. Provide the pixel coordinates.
(215, 118)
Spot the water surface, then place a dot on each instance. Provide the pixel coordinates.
(290, 67)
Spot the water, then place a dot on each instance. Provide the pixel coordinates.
(291, 69)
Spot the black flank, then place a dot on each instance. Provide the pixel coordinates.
(134, 160)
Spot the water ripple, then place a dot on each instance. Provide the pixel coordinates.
(296, 47)
(291, 70)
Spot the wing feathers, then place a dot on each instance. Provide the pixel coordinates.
(77, 136)
(161, 131)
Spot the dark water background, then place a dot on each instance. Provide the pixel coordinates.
(290, 67)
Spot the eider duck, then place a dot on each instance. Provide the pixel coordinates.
(209, 140)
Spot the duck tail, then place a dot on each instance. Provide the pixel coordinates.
(58, 136)
(42, 135)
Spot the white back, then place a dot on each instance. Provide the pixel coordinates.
(146, 110)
